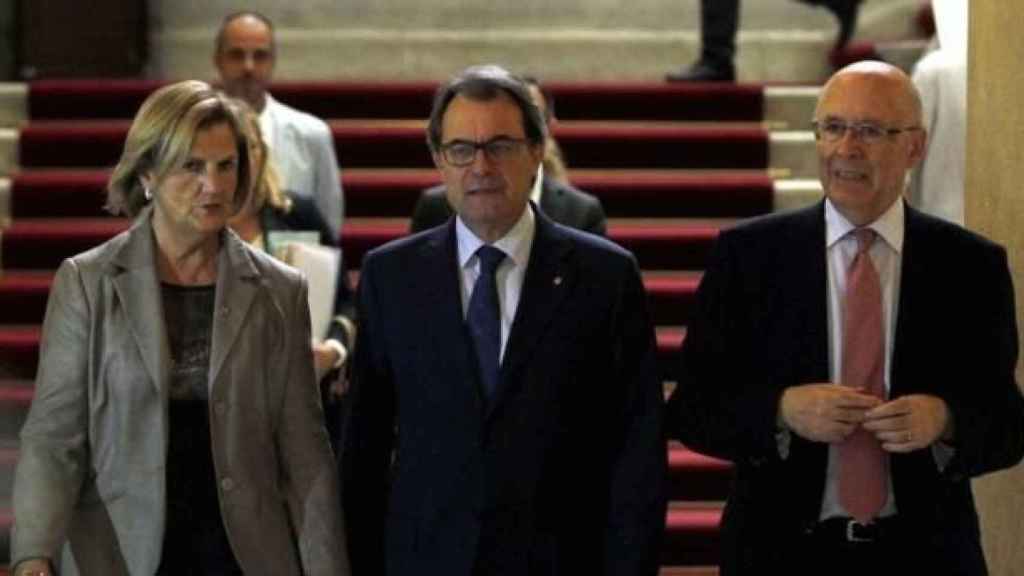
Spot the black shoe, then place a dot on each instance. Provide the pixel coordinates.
(846, 12)
(702, 71)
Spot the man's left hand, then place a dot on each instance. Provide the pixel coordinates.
(910, 422)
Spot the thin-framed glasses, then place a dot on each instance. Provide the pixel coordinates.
(462, 152)
(868, 132)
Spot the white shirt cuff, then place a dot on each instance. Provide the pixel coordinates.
(339, 348)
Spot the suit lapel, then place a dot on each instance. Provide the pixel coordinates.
(812, 287)
(134, 277)
(914, 269)
(804, 278)
(439, 282)
(237, 283)
(549, 279)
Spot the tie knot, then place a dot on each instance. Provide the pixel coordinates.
(490, 258)
(864, 236)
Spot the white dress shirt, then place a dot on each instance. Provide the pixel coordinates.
(538, 185)
(886, 254)
(516, 245)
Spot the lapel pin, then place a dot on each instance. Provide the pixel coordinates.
(558, 280)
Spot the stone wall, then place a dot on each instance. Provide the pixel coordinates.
(993, 205)
(566, 39)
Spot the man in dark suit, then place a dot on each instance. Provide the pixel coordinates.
(855, 360)
(506, 409)
(558, 200)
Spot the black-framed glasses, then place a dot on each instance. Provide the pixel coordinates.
(868, 132)
(462, 152)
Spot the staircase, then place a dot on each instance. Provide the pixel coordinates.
(672, 165)
(576, 40)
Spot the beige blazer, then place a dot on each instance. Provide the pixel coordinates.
(89, 487)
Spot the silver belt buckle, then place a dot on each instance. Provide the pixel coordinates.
(851, 535)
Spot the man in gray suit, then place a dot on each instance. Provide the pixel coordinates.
(301, 145)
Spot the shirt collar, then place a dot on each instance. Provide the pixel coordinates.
(515, 244)
(538, 185)
(268, 103)
(889, 225)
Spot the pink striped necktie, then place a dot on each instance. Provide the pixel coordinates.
(863, 465)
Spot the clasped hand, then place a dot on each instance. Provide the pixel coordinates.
(827, 412)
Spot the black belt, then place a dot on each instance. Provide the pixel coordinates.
(848, 530)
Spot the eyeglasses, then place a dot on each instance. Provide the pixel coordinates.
(866, 132)
(462, 152)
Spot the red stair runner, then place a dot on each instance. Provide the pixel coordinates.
(15, 398)
(694, 476)
(59, 99)
(393, 193)
(402, 145)
(691, 536)
(19, 351)
(23, 296)
(34, 244)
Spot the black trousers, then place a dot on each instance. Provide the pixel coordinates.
(719, 21)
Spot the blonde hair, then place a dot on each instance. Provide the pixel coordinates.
(266, 183)
(161, 137)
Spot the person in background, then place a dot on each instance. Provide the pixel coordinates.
(937, 183)
(176, 427)
(505, 405)
(719, 20)
(550, 190)
(855, 360)
(270, 209)
(301, 145)
(553, 163)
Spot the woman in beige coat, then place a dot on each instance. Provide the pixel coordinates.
(176, 427)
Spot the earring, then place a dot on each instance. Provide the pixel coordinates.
(146, 192)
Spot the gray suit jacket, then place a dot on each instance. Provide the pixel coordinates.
(90, 485)
(302, 147)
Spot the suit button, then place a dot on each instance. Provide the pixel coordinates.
(227, 484)
(220, 409)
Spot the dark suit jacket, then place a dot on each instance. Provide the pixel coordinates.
(562, 203)
(563, 475)
(761, 326)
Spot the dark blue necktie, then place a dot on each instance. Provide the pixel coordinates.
(484, 318)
